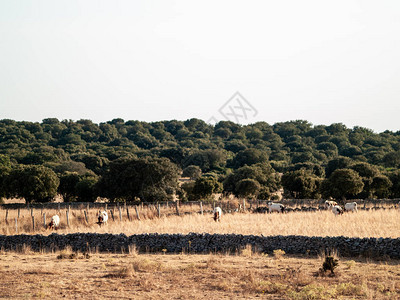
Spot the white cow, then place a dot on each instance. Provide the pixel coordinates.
(351, 206)
(275, 207)
(103, 217)
(337, 210)
(329, 204)
(217, 214)
(54, 222)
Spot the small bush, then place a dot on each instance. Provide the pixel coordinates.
(247, 251)
(278, 253)
(124, 272)
(145, 265)
(312, 292)
(349, 289)
(330, 264)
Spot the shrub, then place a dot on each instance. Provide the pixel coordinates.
(330, 264)
(278, 253)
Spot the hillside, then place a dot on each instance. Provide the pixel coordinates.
(229, 153)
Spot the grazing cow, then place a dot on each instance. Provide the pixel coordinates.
(54, 222)
(217, 214)
(351, 206)
(103, 217)
(337, 210)
(275, 207)
(329, 204)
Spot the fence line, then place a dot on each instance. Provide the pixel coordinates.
(225, 204)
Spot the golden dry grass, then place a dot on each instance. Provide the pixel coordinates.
(246, 276)
(379, 223)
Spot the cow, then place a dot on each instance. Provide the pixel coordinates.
(351, 206)
(54, 222)
(329, 204)
(217, 214)
(102, 218)
(337, 210)
(275, 207)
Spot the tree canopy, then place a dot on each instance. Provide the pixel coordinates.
(144, 159)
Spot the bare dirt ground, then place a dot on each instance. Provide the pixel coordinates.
(146, 276)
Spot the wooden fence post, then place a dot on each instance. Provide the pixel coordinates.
(201, 207)
(86, 217)
(120, 213)
(177, 207)
(33, 223)
(127, 213)
(16, 225)
(67, 216)
(31, 212)
(112, 214)
(19, 212)
(44, 220)
(6, 216)
(137, 212)
(159, 210)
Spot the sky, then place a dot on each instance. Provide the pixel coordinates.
(246, 61)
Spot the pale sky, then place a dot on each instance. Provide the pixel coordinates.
(321, 61)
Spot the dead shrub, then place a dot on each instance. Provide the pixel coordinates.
(123, 272)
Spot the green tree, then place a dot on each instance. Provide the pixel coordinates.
(301, 184)
(204, 187)
(395, 188)
(5, 161)
(249, 157)
(33, 183)
(380, 186)
(86, 190)
(147, 179)
(367, 173)
(264, 174)
(95, 163)
(67, 185)
(342, 183)
(248, 188)
(192, 171)
(340, 162)
(4, 173)
(392, 159)
(207, 160)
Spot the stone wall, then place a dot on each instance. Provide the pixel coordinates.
(206, 243)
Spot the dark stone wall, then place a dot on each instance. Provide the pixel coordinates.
(206, 243)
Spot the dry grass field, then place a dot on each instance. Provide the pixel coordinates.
(147, 276)
(373, 223)
(246, 275)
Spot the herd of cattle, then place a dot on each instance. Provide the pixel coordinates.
(102, 216)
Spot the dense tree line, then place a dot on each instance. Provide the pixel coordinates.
(142, 161)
